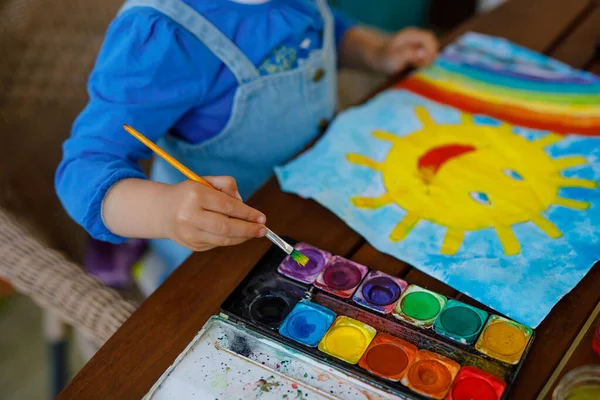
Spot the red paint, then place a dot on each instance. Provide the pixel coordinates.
(560, 123)
(388, 356)
(431, 162)
(596, 340)
(294, 386)
(473, 383)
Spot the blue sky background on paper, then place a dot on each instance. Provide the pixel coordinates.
(525, 287)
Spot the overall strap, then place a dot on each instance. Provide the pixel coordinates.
(237, 62)
(325, 12)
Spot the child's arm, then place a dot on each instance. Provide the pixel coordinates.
(189, 213)
(365, 49)
(149, 74)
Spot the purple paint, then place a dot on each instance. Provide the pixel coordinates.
(317, 259)
(341, 276)
(380, 292)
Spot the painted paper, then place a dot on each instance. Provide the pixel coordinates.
(480, 170)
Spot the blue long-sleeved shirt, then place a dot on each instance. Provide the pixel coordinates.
(153, 74)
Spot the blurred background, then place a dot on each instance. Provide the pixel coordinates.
(47, 49)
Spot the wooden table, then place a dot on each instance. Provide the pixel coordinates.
(142, 349)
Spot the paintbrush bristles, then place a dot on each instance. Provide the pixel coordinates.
(300, 258)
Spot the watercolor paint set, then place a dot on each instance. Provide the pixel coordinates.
(336, 329)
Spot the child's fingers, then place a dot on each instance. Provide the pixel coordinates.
(200, 240)
(221, 203)
(219, 225)
(225, 184)
(430, 44)
(419, 38)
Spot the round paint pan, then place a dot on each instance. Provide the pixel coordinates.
(503, 339)
(341, 277)
(473, 383)
(347, 339)
(431, 374)
(388, 357)
(419, 306)
(460, 322)
(269, 310)
(307, 323)
(317, 259)
(381, 291)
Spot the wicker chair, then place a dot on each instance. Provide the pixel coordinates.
(47, 49)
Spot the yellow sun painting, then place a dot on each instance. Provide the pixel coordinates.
(469, 177)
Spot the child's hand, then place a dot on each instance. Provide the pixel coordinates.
(201, 218)
(409, 47)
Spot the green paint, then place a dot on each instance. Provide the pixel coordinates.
(461, 321)
(584, 393)
(220, 381)
(265, 386)
(421, 306)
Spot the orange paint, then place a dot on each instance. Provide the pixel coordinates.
(431, 374)
(503, 339)
(323, 377)
(388, 357)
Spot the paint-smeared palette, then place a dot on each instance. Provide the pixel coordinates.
(378, 316)
(380, 336)
(227, 361)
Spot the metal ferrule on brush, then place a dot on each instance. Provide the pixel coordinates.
(279, 241)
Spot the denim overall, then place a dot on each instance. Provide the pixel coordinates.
(272, 118)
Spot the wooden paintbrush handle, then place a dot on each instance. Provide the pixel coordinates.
(191, 175)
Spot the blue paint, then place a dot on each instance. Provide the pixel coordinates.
(307, 323)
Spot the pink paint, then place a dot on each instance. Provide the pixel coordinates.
(341, 277)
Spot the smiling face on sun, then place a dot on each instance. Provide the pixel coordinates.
(469, 177)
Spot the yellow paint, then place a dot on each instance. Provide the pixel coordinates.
(503, 339)
(347, 339)
(505, 180)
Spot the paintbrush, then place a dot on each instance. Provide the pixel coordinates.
(297, 256)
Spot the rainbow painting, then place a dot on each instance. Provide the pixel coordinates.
(529, 94)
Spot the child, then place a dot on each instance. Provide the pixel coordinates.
(231, 88)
